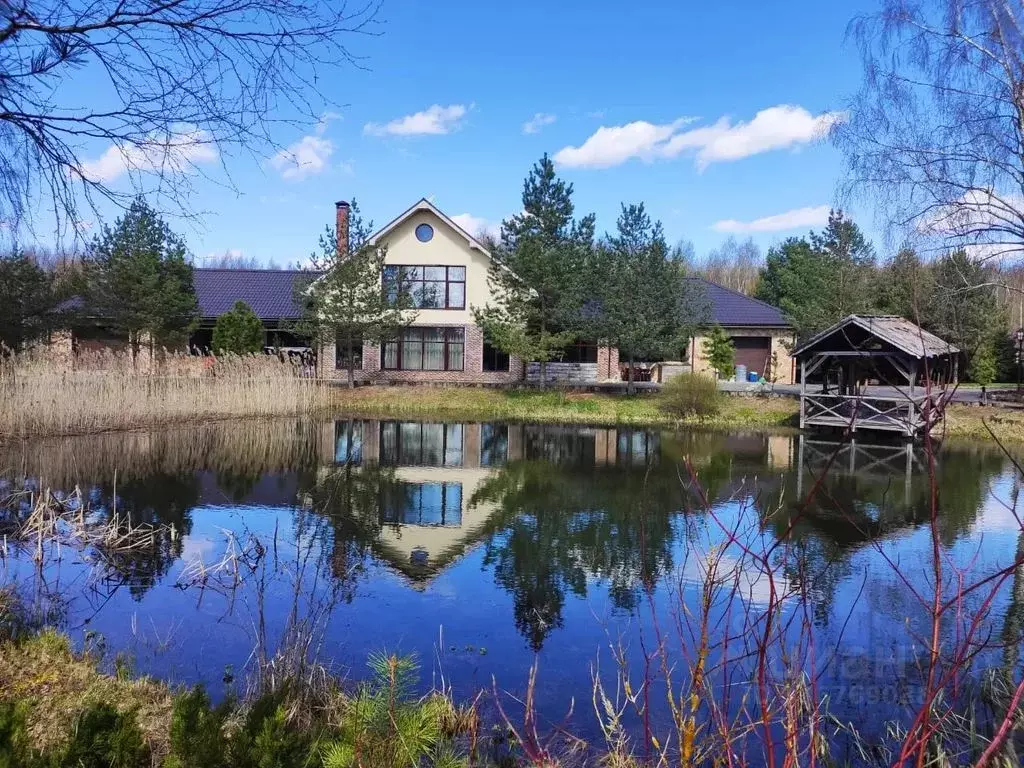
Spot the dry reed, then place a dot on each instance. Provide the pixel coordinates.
(100, 391)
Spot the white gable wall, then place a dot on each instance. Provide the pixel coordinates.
(447, 248)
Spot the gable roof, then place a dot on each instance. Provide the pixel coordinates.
(270, 292)
(896, 331)
(731, 308)
(425, 205)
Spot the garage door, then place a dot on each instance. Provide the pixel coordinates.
(753, 351)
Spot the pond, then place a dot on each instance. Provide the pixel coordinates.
(484, 547)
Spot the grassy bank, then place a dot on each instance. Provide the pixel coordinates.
(106, 391)
(758, 413)
(553, 406)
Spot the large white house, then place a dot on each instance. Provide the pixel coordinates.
(445, 270)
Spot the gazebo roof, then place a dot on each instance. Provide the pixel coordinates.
(895, 331)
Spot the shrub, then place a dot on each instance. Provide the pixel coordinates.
(197, 732)
(15, 749)
(104, 738)
(719, 351)
(238, 331)
(267, 739)
(386, 726)
(690, 394)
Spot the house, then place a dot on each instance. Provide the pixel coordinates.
(271, 293)
(761, 335)
(448, 268)
(445, 269)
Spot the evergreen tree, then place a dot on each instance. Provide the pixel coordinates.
(239, 331)
(966, 309)
(140, 280)
(719, 352)
(820, 280)
(640, 301)
(27, 301)
(349, 304)
(905, 286)
(984, 368)
(537, 275)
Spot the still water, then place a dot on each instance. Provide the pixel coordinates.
(481, 547)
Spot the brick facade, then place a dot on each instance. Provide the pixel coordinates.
(608, 364)
(472, 372)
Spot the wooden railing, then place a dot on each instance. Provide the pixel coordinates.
(900, 413)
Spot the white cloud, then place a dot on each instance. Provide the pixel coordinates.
(798, 218)
(615, 145)
(538, 121)
(477, 226)
(306, 157)
(169, 153)
(778, 127)
(432, 121)
(325, 120)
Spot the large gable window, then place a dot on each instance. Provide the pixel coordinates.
(428, 287)
(426, 349)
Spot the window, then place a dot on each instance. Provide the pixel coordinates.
(636, 448)
(493, 445)
(405, 444)
(428, 287)
(348, 442)
(425, 349)
(341, 355)
(429, 504)
(494, 358)
(424, 233)
(580, 352)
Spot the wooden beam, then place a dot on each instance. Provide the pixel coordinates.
(803, 391)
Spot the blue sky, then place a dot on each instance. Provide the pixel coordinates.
(707, 112)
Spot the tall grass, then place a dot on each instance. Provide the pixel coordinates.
(100, 391)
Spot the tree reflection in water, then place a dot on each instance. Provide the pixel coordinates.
(555, 513)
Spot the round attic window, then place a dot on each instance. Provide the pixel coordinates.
(424, 233)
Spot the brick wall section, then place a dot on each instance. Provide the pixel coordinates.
(780, 340)
(472, 372)
(608, 364)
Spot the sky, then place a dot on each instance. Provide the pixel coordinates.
(712, 114)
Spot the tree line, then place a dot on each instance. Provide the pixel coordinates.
(552, 278)
(818, 279)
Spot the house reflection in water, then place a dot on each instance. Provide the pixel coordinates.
(425, 476)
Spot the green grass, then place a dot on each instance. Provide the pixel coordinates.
(554, 407)
(558, 407)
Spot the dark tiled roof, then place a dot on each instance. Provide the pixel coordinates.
(270, 292)
(732, 308)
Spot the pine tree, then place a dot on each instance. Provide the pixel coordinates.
(27, 300)
(818, 280)
(719, 351)
(239, 331)
(140, 280)
(349, 304)
(640, 299)
(537, 275)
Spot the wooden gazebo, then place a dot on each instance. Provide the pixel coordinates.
(875, 373)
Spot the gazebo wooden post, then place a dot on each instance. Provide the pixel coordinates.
(912, 407)
(803, 390)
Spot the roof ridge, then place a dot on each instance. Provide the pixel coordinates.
(253, 269)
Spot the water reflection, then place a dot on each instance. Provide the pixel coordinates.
(488, 527)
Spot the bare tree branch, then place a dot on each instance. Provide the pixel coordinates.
(935, 137)
(157, 86)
